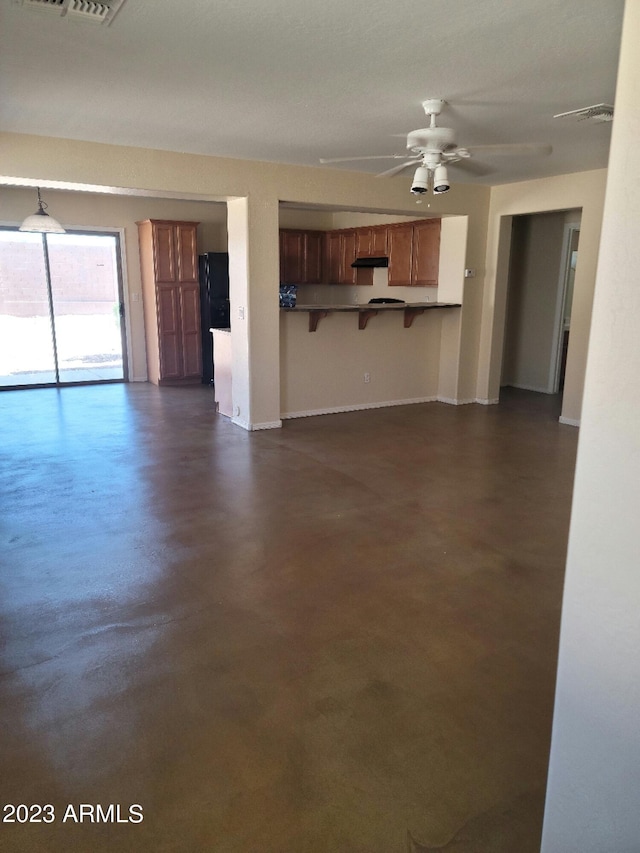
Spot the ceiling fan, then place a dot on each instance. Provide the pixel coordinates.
(434, 148)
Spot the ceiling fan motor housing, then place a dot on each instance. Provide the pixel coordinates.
(432, 139)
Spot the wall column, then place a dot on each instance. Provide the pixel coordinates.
(252, 225)
(594, 772)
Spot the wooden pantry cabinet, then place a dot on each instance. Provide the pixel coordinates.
(171, 297)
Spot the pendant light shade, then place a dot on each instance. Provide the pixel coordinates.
(41, 222)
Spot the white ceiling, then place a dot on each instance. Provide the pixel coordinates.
(292, 81)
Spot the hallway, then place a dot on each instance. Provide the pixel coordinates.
(304, 640)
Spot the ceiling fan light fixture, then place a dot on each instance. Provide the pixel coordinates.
(441, 180)
(40, 222)
(420, 183)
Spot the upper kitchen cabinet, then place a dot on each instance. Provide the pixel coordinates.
(371, 242)
(426, 253)
(333, 256)
(414, 253)
(340, 252)
(349, 274)
(171, 295)
(400, 247)
(301, 255)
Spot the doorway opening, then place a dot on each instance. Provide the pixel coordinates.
(542, 263)
(61, 309)
(565, 301)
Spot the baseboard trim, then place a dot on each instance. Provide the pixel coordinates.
(569, 421)
(335, 410)
(255, 427)
(534, 388)
(451, 401)
(486, 401)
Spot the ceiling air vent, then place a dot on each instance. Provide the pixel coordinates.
(596, 114)
(54, 5)
(79, 10)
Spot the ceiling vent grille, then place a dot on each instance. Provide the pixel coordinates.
(79, 10)
(96, 12)
(596, 114)
(55, 5)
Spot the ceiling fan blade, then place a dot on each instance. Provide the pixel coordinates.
(394, 171)
(472, 167)
(516, 149)
(364, 157)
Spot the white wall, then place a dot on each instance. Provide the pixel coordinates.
(594, 775)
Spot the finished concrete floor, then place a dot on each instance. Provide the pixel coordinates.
(322, 639)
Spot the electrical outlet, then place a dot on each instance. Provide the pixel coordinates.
(367, 377)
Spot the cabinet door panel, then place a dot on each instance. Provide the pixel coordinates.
(426, 252)
(334, 256)
(169, 333)
(363, 242)
(400, 241)
(187, 253)
(314, 246)
(379, 242)
(190, 331)
(348, 257)
(164, 255)
(292, 256)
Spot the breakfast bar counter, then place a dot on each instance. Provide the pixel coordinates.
(370, 309)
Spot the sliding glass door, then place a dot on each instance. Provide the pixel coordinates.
(60, 309)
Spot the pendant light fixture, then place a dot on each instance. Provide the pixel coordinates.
(41, 222)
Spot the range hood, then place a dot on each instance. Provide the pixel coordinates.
(370, 262)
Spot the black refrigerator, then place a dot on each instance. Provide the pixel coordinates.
(214, 304)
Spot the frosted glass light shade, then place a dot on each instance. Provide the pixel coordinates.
(42, 223)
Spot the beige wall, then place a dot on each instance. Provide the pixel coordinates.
(131, 171)
(594, 773)
(323, 371)
(583, 190)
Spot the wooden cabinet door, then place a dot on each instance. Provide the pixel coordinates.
(333, 255)
(363, 242)
(400, 245)
(313, 252)
(190, 331)
(185, 235)
(164, 253)
(348, 274)
(291, 257)
(379, 241)
(169, 345)
(426, 252)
